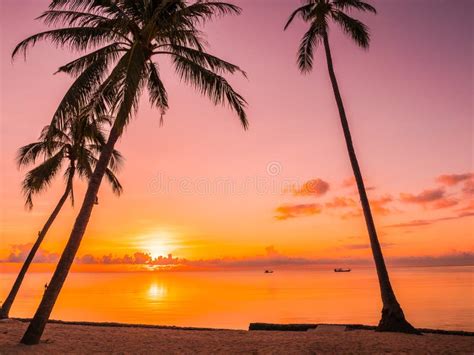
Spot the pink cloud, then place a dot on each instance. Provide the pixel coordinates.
(426, 222)
(314, 187)
(378, 205)
(468, 208)
(453, 179)
(445, 203)
(351, 183)
(468, 188)
(341, 202)
(426, 196)
(300, 210)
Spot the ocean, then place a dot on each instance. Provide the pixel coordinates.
(432, 297)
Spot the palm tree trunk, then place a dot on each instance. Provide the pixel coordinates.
(393, 318)
(38, 323)
(6, 306)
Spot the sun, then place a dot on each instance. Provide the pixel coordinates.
(157, 244)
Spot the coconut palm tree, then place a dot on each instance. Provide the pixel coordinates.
(123, 38)
(77, 146)
(318, 14)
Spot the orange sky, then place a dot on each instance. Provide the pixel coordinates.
(201, 188)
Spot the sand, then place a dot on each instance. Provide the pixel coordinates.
(66, 338)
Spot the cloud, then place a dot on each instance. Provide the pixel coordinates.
(468, 188)
(424, 197)
(426, 222)
(467, 208)
(413, 223)
(271, 251)
(445, 203)
(351, 183)
(453, 259)
(138, 258)
(453, 179)
(341, 202)
(363, 246)
(272, 257)
(19, 252)
(314, 187)
(300, 210)
(378, 205)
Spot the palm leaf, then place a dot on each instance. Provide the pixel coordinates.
(157, 90)
(108, 53)
(355, 4)
(301, 11)
(354, 28)
(75, 38)
(309, 41)
(114, 182)
(212, 85)
(39, 178)
(29, 153)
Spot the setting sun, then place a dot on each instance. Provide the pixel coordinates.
(157, 244)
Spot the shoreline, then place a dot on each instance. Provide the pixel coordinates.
(288, 327)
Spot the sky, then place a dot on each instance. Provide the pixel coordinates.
(203, 189)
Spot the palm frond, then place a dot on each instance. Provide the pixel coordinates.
(79, 93)
(354, 28)
(75, 38)
(157, 90)
(132, 84)
(202, 11)
(308, 43)
(203, 59)
(212, 85)
(181, 37)
(301, 11)
(116, 161)
(29, 153)
(114, 182)
(69, 178)
(72, 18)
(40, 177)
(108, 53)
(354, 4)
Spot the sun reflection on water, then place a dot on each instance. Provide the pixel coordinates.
(156, 291)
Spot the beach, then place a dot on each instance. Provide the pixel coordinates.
(68, 338)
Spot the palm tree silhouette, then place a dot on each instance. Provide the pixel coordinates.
(78, 146)
(129, 35)
(318, 14)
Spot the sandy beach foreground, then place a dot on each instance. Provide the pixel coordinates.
(67, 338)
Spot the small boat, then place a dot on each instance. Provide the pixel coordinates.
(268, 272)
(342, 270)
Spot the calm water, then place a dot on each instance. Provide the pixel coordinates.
(437, 297)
